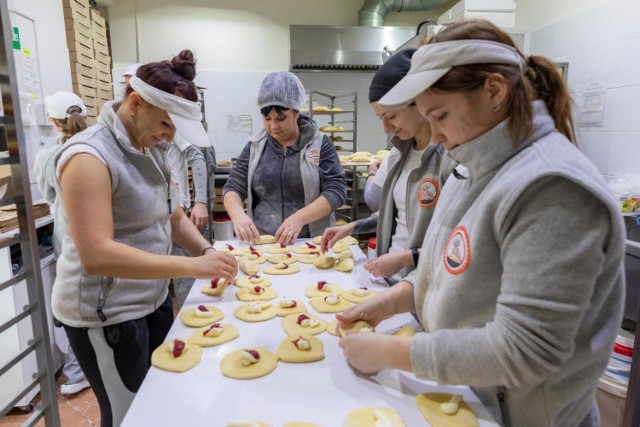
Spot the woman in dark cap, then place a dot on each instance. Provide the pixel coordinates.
(416, 172)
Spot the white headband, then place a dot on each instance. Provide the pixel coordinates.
(184, 114)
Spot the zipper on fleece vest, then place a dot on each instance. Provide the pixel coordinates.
(102, 298)
(504, 410)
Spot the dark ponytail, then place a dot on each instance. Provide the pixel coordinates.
(73, 124)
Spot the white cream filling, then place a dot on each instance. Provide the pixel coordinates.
(361, 292)
(247, 358)
(214, 332)
(198, 313)
(332, 299)
(287, 303)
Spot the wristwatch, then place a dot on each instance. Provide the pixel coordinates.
(416, 255)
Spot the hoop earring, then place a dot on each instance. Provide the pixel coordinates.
(496, 107)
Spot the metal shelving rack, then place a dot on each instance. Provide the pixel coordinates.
(35, 311)
(342, 111)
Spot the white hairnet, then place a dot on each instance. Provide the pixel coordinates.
(282, 89)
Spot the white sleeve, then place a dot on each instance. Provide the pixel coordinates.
(72, 151)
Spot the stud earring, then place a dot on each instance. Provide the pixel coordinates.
(496, 107)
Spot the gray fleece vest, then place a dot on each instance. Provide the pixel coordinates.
(520, 294)
(309, 172)
(141, 205)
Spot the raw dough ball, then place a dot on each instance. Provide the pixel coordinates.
(242, 313)
(252, 280)
(324, 261)
(216, 288)
(278, 248)
(249, 267)
(232, 366)
(321, 306)
(368, 415)
(355, 327)
(286, 258)
(266, 239)
(293, 328)
(354, 295)
(247, 294)
(285, 311)
(288, 352)
(429, 405)
(162, 357)
(189, 317)
(229, 332)
(327, 288)
(277, 270)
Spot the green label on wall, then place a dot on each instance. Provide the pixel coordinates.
(16, 38)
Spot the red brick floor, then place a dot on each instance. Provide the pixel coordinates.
(78, 410)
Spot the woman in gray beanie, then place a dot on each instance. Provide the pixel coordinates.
(289, 173)
(414, 167)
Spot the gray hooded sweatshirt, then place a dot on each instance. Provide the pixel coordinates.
(142, 202)
(521, 291)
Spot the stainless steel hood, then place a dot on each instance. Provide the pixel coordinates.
(338, 48)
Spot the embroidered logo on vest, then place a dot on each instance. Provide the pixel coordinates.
(457, 252)
(313, 156)
(428, 193)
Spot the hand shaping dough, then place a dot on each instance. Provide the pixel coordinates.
(229, 332)
(286, 258)
(367, 416)
(327, 288)
(189, 317)
(309, 258)
(278, 248)
(279, 270)
(359, 294)
(292, 328)
(232, 366)
(252, 280)
(249, 267)
(216, 288)
(242, 313)
(247, 294)
(162, 357)
(405, 331)
(288, 352)
(346, 265)
(266, 239)
(429, 405)
(306, 248)
(324, 261)
(321, 306)
(355, 327)
(285, 311)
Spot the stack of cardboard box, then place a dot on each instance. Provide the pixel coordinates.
(89, 55)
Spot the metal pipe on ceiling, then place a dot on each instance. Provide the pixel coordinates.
(373, 12)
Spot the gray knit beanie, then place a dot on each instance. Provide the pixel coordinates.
(282, 89)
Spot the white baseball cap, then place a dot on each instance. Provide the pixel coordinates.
(131, 69)
(58, 104)
(184, 114)
(432, 61)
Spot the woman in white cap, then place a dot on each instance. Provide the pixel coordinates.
(120, 212)
(521, 285)
(67, 113)
(289, 173)
(413, 167)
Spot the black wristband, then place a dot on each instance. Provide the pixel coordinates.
(208, 247)
(371, 174)
(416, 255)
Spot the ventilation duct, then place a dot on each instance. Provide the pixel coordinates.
(373, 12)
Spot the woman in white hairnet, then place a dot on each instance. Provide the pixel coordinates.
(289, 173)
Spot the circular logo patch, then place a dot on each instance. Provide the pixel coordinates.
(457, 252)
(428, 193)
(313, 156)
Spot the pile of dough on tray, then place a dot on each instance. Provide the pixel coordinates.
(302, 330)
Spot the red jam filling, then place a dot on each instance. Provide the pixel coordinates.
(284, 266)
(314, 253)
(295, 304)
(255, 253)
(254, 353)
(258, 289)
(178, 347)
(283, 245)
(364, 289)
(230, 247)
(289, 255)
(310, 245)
(252, 249)
(215, 325)
(202, 308)
(301, 318)
(295, 342)
(214, 283)
(254, 276)
(321, 284)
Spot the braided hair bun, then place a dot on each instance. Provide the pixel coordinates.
(184, 64)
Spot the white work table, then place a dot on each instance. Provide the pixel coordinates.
(320, 392)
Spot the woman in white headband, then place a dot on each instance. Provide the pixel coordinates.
(120, 212)
(520, 287)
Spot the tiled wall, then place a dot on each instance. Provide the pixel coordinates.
(603, 42)
(236, 92)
